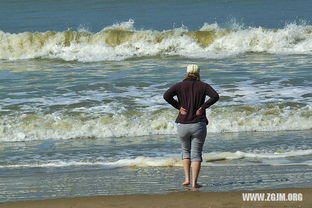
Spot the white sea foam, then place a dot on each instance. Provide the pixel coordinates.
(250, 93)
(209, 159)
(293, 39)
(142, 123)
(215, 156)
(122, 41)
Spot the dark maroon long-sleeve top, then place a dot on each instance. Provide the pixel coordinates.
(191, 95)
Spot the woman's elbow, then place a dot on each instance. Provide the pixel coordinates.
(216, 97)
(166, 97)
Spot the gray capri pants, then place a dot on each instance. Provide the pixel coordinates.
(192, 137)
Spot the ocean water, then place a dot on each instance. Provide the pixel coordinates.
(81, 85)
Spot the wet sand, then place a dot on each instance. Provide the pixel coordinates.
(177, 199)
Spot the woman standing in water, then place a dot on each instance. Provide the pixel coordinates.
(192, 120)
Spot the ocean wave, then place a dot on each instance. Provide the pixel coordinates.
(269, 117)
(209, 159)
(122, 41)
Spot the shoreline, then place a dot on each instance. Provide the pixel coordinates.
(174, 199)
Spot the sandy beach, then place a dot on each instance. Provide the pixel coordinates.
(177, 199)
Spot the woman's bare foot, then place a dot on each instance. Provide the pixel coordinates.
(196, 186)
(186, 183)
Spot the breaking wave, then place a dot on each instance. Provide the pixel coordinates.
(122, 41)
(34, 126)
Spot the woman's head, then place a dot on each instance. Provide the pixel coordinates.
(192, 72)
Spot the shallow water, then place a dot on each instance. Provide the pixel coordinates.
(88, 167)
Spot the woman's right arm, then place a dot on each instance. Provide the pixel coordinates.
(214, 97)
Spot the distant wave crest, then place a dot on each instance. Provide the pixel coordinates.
(122, 41)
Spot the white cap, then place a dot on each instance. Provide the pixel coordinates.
(192, 69)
